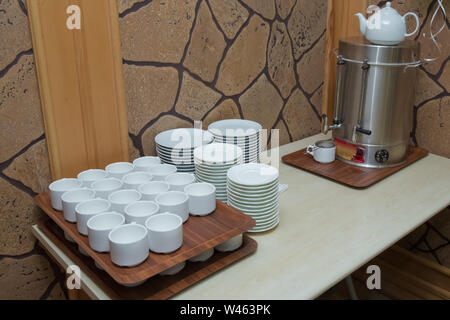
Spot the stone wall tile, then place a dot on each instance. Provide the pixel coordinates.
(433, 126)
(56, 293)
(426, 88)
(195, 98)
(166, 122)
(266, 8)
(261, 103)
(280, 60)
(226, 110)
(24, 279)
(206, 46)
(149, 92)
(17, 214)
(444, 80)
(284, 7)
(428, 49)
(126, 4)
(230, 15)
(317, 99)
(20, 108)
(14, 32)
(300, 117)
(283, 133)
(32, 168)
(246, 58)
(311, 68)
(157, 32)
(134, 153)
(307, 22)
(442, 220)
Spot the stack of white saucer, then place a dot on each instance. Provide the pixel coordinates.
(254, 189)
(176, 146)
(244, 133)
(212, 162)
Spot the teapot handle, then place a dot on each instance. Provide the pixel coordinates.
(417, 23)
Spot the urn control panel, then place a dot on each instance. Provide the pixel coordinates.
(382, 156)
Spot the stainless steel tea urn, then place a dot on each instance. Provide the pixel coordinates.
(373, 114)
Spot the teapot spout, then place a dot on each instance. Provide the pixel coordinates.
(362, 23)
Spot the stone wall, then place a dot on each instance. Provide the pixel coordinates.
(197, 60)
(212, 59)
(25, 270)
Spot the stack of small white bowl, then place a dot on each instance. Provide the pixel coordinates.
(176, 146)
(212, 163)
(244, 133)
(253, 188)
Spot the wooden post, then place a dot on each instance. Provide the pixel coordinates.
(81, 83)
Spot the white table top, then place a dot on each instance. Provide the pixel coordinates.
(326, 232)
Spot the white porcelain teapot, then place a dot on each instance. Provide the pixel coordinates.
(386, 26)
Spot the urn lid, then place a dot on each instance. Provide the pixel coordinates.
(359, 49)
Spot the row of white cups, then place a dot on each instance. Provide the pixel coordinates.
(131, 208)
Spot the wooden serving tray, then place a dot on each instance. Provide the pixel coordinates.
(155, 288)
(199, 234)
(350, 175)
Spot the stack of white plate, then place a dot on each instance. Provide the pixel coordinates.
(212, 162)
(177, 146)
(244, 133)
(253, 189)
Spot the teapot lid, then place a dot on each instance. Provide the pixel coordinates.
(388, 9)
(359, 49)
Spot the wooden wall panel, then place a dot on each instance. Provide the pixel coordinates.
(341, 23)
(81, 84)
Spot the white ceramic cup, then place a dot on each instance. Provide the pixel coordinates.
(161, 171)
(178, 181)
(59, 187)
(133, 285)
(175, 202)
(323, 151)
(230, 245)
(204, 256)
(140, 211)
(68, 238)
(119, 169)
(202, 198)
(134, 179)
(145, 163)
(71, 199)
(128, 245)
(87, 209)
(174, 270)
(165, 232)
(82, 251)
(91, 175)
(105, 187)
(100, 226)
(150, 190)
(120, 199)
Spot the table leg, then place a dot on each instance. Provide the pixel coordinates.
(350, 288)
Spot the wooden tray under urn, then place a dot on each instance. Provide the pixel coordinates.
(199, 235)
(350, 175)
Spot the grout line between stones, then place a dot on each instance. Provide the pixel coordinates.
(134, 8)
(15, 61)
